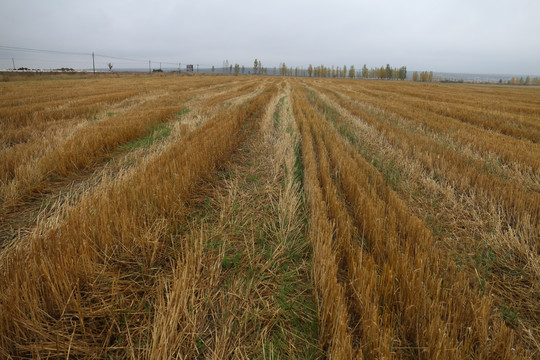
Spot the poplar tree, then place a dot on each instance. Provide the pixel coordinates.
(402, 74)
(283, 69)
(388, 72)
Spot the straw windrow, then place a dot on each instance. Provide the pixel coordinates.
(262, 217)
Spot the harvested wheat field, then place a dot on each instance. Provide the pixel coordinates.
(256, 217)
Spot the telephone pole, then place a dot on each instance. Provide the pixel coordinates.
(13, 60)
(93, 63)
(197, 67)
(150, 66)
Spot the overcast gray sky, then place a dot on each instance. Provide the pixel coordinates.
(472, 36)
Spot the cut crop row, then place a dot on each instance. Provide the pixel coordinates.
(87, 287)
(521, 101)
(507, 148)
(465, 172)
(404, 299)
(90, 145)
(511, 124)
(506, 245)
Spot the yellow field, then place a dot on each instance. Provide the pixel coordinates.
(268, 217)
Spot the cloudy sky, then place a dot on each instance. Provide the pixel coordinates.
(468, 36)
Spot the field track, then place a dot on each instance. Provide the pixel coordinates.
(268, 217)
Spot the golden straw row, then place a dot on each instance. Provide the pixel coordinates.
(513, 100)
(20, 221)
(87, 286)
(88, 105)
(29, 104)
(89, 145)
(25, 95)
(404, 294)
(19, 95)
(520, 208)
(507, 148)
(515, 245)
(465, 172)
(333, 313)
(512, 124)
(520, 173)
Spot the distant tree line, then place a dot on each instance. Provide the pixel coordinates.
(422, 76)
(521, 81)
(384, 72)
(237, 68)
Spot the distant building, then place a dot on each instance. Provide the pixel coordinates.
(189, 68)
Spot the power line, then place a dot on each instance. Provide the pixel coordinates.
(60, 52)
(14, 48)
(120, 58)
(43, 60)
(134, 60)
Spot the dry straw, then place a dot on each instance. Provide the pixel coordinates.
(86, 286)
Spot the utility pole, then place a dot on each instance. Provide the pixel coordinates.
(150, 66)
(93, 63)
(179, 67)
(159, 66)
(13, 60)
(197, 67)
